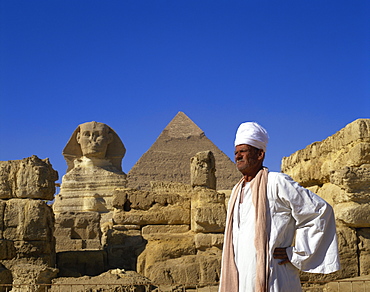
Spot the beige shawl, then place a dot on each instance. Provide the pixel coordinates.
(229, 273)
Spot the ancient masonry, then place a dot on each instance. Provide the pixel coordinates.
(166, 231)
(27, 245)
(169, 157)
(338, 170)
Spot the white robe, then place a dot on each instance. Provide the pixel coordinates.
(293, 212)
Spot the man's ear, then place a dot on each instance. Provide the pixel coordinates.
(261, 154)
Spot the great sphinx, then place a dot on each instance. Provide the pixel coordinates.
(94, 155)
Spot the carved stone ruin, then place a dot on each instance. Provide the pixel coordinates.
(338, 170)
(27, 245)
(93, 154)
(176, 234)
(202, 170)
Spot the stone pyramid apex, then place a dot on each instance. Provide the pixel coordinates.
(182, 126)
(168, 159)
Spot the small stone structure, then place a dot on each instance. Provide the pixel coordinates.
(27, 245)
(203, 170)
(338, 170)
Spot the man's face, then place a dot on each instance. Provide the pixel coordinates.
(248, 158)
(94, 139)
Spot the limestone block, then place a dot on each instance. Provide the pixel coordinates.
(208, 212)
(7, 249)
(27, 219)
(329, 192)
(118, 280)
(347, 245)
(77, 244)
(353, 214)
(205, 195)
(127, 199)
(353, 179)
(171, 214)
(35, 252)
(355, 284)
(62, 233)
(206, 241)
(334, 194)
(209, 267)
(129, 237)
(208, 218)
(161, 187)
(163, 229)
(126, 227)
(5, 278)
(32, 274)
(77, 231)
(68, 244)
(188, 270)
(364, 249)
(168, 247)
(183, 270)
(349, 147)
(30, 177)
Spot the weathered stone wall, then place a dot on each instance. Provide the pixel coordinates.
(176, 238)
(30, 177)
(338, 170)
(78, 231)
(27, 244)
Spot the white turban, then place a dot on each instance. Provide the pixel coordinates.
(253, 134)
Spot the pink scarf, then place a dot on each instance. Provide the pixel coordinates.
(229, 273)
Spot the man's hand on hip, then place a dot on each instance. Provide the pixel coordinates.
(280, 253)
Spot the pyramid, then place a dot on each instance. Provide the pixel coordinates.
(168, 159)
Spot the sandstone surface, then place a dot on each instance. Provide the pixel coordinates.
(30, 177)
(78, 231)
(27, 232)
(110, 281)
(338, 170)
(32, 278)
(347, 149)
(27, 244)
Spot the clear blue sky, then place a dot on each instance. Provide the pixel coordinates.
(298, 67)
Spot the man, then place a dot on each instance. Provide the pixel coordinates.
(274, 227)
